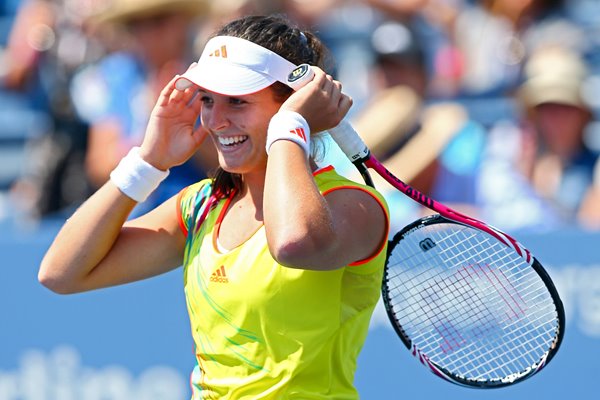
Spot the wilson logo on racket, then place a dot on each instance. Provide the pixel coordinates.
(298, 73)
(219, 275)
(426, 244)
(222, 52)
(299, 132)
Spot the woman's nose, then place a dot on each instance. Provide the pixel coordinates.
(214, 117)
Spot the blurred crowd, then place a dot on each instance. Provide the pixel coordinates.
(489, 106)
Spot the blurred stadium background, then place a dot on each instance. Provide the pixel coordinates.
(133, 342)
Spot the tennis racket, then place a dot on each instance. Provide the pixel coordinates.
(471, 304)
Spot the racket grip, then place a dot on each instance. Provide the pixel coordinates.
(349, 141)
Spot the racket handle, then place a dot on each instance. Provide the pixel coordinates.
(350, 142)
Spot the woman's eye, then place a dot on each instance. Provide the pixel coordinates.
(206, 100)
(235, 101)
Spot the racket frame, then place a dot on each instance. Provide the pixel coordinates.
(445, 373)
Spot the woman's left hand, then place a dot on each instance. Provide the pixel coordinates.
(321, 102)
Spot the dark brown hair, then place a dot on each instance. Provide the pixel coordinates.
(281, 36)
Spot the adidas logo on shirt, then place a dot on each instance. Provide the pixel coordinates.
(219, 275)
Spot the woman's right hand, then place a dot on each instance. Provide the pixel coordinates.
(172, 135)
(321, 102)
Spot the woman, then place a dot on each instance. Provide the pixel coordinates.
(280, 285)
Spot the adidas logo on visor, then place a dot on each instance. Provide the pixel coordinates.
(222, 52)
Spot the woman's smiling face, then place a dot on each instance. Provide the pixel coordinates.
(238, 126)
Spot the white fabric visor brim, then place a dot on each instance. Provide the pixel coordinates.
(225, 79)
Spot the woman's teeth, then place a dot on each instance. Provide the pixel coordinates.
(231, 140)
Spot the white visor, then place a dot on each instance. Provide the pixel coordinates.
(232, 66)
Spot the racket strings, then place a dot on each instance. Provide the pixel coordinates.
(470, 303)
(483, 361)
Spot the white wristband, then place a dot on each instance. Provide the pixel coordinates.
(289, 125)
(135, 177)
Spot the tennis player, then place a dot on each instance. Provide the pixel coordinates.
(282, 260)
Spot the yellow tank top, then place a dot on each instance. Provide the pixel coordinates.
(264, 331)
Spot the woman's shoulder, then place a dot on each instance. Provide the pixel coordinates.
(328, 174)
(193, 202)
(202, 189)
(328, 179)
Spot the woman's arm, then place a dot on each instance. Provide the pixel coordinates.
(304, 228)
(310, 231)
(96, 247)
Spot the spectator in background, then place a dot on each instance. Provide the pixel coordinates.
(490, 40)
(116, 95)
(589, 213)
(432, 146)
(223, 11)
(45, 47)
(537, 174)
